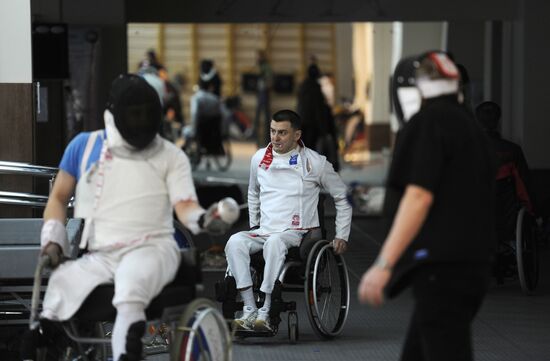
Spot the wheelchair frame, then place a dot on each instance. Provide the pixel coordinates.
(519, 244)
(526, 250)
(190, 330)
(209, 144)
(306, 279)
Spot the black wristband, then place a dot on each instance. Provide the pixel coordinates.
(200, 222)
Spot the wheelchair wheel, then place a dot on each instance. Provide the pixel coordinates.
(293, 331)
(326, 290)
(193, 151)
(62, 348)
(223, 161)
(526, 251)
(201, 334)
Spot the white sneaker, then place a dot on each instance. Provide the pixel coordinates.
(246, 321)
(262, 322)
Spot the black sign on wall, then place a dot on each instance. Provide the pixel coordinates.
(50, 54)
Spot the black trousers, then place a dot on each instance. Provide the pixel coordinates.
(447, 298)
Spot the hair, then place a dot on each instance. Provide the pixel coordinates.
(289, 116)
(488, 114)
(206, 65)
(313, 72)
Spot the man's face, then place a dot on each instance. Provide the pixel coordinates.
(283, 137)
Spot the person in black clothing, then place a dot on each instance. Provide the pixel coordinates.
(319, 128)
(209, 74)
(172, 109)
(511, 161)
(263, 96)
(440, 194)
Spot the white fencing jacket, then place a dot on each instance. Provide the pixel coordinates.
(127, 201)
(283, 191)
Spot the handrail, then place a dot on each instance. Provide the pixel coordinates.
(22, 195)
(23, 199)
(26, 199)
(27, 169)
(22, 202)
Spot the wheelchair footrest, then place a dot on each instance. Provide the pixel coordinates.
(252, 333)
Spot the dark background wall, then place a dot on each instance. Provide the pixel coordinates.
(520, 61)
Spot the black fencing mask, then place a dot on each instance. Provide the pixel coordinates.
(136, 109)
(426, 76)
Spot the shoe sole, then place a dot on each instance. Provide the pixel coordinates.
(238, 326)
(262, 326)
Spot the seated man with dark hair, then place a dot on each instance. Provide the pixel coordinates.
(511, 161)
(285, 180)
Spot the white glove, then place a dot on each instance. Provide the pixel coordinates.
(53, 241)
(220, 216)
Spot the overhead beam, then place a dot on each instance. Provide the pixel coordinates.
(225, 11)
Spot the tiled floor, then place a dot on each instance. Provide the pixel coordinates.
(510, 325)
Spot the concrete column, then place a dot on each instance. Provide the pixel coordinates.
(379, 121)
(16, 96)
(344, 61)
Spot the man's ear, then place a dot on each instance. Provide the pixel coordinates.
(297, 134)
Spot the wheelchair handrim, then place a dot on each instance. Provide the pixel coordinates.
(201, 309)
(311, 292)
(526, 255)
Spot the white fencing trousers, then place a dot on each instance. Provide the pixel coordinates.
(275, 247)
(139, 273)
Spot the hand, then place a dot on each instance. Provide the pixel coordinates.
(54, 252)
(220, 216)
(339, 245)
(373, 282)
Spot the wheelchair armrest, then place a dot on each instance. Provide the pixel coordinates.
(310, 238)
(190, 257)
(74, 228)
(189, 271)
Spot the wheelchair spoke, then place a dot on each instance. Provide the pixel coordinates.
(328, 286)
(325, 306)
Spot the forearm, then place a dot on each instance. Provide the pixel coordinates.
(343, 218)
(55, 214)
(188, 213)
(55, 209)
(253, 197)
(411, 214)
(253, 211)
(332, 182)
(63, 189)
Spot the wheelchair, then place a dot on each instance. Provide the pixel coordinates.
(187, 327)
(312, 268)
(517, 236)
(209, 143)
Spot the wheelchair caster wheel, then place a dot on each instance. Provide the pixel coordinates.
(293, 333)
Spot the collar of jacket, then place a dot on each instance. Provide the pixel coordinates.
(268, 155)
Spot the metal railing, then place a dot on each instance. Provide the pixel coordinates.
(26, 199)
(27, 169)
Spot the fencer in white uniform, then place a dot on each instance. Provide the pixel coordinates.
(127, 182)
(283, 192)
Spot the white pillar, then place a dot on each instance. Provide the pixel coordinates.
(382, 47)
(15, 41)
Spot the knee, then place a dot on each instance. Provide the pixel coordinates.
(274, 246)
(234, 244)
